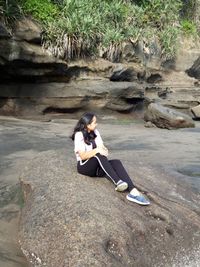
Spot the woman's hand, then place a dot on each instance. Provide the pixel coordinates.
(102, 150)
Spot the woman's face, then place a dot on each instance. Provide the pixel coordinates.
(92, 125)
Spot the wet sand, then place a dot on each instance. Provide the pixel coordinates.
(176, 151)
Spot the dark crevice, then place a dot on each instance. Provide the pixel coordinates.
(59, 110)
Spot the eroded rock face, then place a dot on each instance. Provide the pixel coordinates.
(28, 30)
(45, 97)
(168, 118)
(73, 220)
(4, 33)
(21, 61)
(196, 111)
(194, 71)
(25, 64)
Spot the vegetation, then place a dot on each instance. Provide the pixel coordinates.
(78, 28)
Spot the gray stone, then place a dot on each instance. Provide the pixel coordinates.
(4, 32)
(187, 53)
(67, 97)
(125, 74)
(149, 54)
(27, 30)
(128, 52)
(73, 220)
(196, 111)
(24, 61)
(168, 118)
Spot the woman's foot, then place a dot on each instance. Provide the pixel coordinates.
(121, 186)
(137, 197)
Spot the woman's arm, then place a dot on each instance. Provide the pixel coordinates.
(89, 154)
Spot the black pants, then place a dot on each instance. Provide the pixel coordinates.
(99, 166)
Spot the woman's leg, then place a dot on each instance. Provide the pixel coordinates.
(88, 167)
(97, 164)
(107, 168)
(122, 173)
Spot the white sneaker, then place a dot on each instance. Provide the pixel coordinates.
(121, 186)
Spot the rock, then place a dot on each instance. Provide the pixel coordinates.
(66, 220)
(119, 105)
(149, 124)
(194, 71)
(149, 54)
(27, 30)
(154, 78)
(168, 118)
(24, 61)
(187, 53)
(125, 74)
(196, 111)
(4, 33)
(68, 97)
(128, 53)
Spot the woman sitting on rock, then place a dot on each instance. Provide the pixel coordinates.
(92, 158)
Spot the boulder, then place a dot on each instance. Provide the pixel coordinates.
(164, 117)
(72, 220)
(196, 111)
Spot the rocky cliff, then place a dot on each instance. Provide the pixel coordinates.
(33, 82)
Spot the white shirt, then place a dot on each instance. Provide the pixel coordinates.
(80, 145)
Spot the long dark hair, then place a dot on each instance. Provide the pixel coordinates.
(81, 126)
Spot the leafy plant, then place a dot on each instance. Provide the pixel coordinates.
(42, 10)
(188, 27)
(10, 10)
(78, 28)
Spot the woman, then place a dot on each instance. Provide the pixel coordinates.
(91, 155)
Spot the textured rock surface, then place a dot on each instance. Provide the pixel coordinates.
(73, 220)
(23, 60)
(41, 98)
(28, 30)
(194, 71)
(196, 111)
(168, 118)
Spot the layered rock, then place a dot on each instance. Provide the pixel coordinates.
(141, 75)
(22, 57)
(48, 97)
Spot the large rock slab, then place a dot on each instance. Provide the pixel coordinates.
(164, 117)
(40, 98)
(72, 220)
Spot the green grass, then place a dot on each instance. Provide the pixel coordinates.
(82, 28)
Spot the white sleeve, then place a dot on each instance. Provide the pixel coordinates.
(79, 144)
(98, 139)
